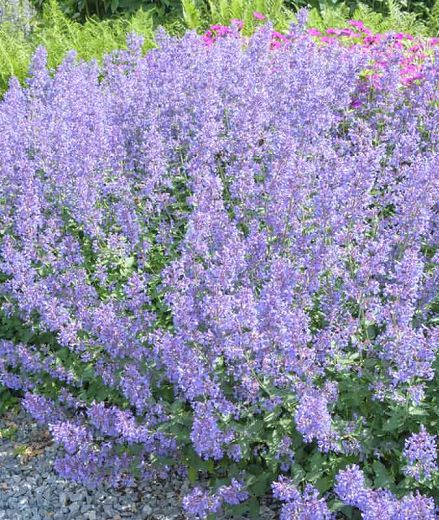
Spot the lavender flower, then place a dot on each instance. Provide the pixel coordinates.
(233, 494)
(300, 505)
(420, 450)
(71, 437)
(199, 504)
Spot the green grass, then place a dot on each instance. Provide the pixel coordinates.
(8, 433)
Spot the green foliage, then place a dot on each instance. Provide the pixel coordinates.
(421, 8)
(59, 34)
(82, 9)
(173, 9)
(15, 52)
(92, 39)
(396, 18)
(222, 11)
(433, 19)
(379, 15)
(392, 16)
(8, 400)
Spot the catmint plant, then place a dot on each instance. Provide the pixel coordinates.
(220, 258)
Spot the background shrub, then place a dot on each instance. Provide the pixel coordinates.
(391, 12)
(81, 9)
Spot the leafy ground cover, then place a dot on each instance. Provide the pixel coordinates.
(221, 257)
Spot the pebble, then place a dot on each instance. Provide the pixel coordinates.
(147, 510)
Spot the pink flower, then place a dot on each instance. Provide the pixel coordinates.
(356, 103)
(238, 23)
(408, 80)
(208, 38)
(258, 15)
(279, 36)
(403, 36)
(371, 39)
(346, 32)
(409, 69)
(358, 24)
(221, 30)
(314, 32)
(331, 30)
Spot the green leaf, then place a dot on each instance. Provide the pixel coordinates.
(382, 477)
(261, 484)
(394, 423)
(88, 374)
(323, 484)
(114, 5)
(297, 473)
(253, 507)
(192, 474)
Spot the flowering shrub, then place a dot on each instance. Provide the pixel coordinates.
(222, 259)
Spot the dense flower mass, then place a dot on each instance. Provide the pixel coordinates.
(222, 258)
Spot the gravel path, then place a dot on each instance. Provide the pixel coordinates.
(30, 489)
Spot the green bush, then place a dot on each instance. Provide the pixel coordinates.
(394, 14)
(419, 7)
(396, 19)
(81, 9)
(201, 13)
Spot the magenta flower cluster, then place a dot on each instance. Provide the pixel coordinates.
(207, 242)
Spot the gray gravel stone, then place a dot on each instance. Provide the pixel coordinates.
(74, 508)
(146, 509)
